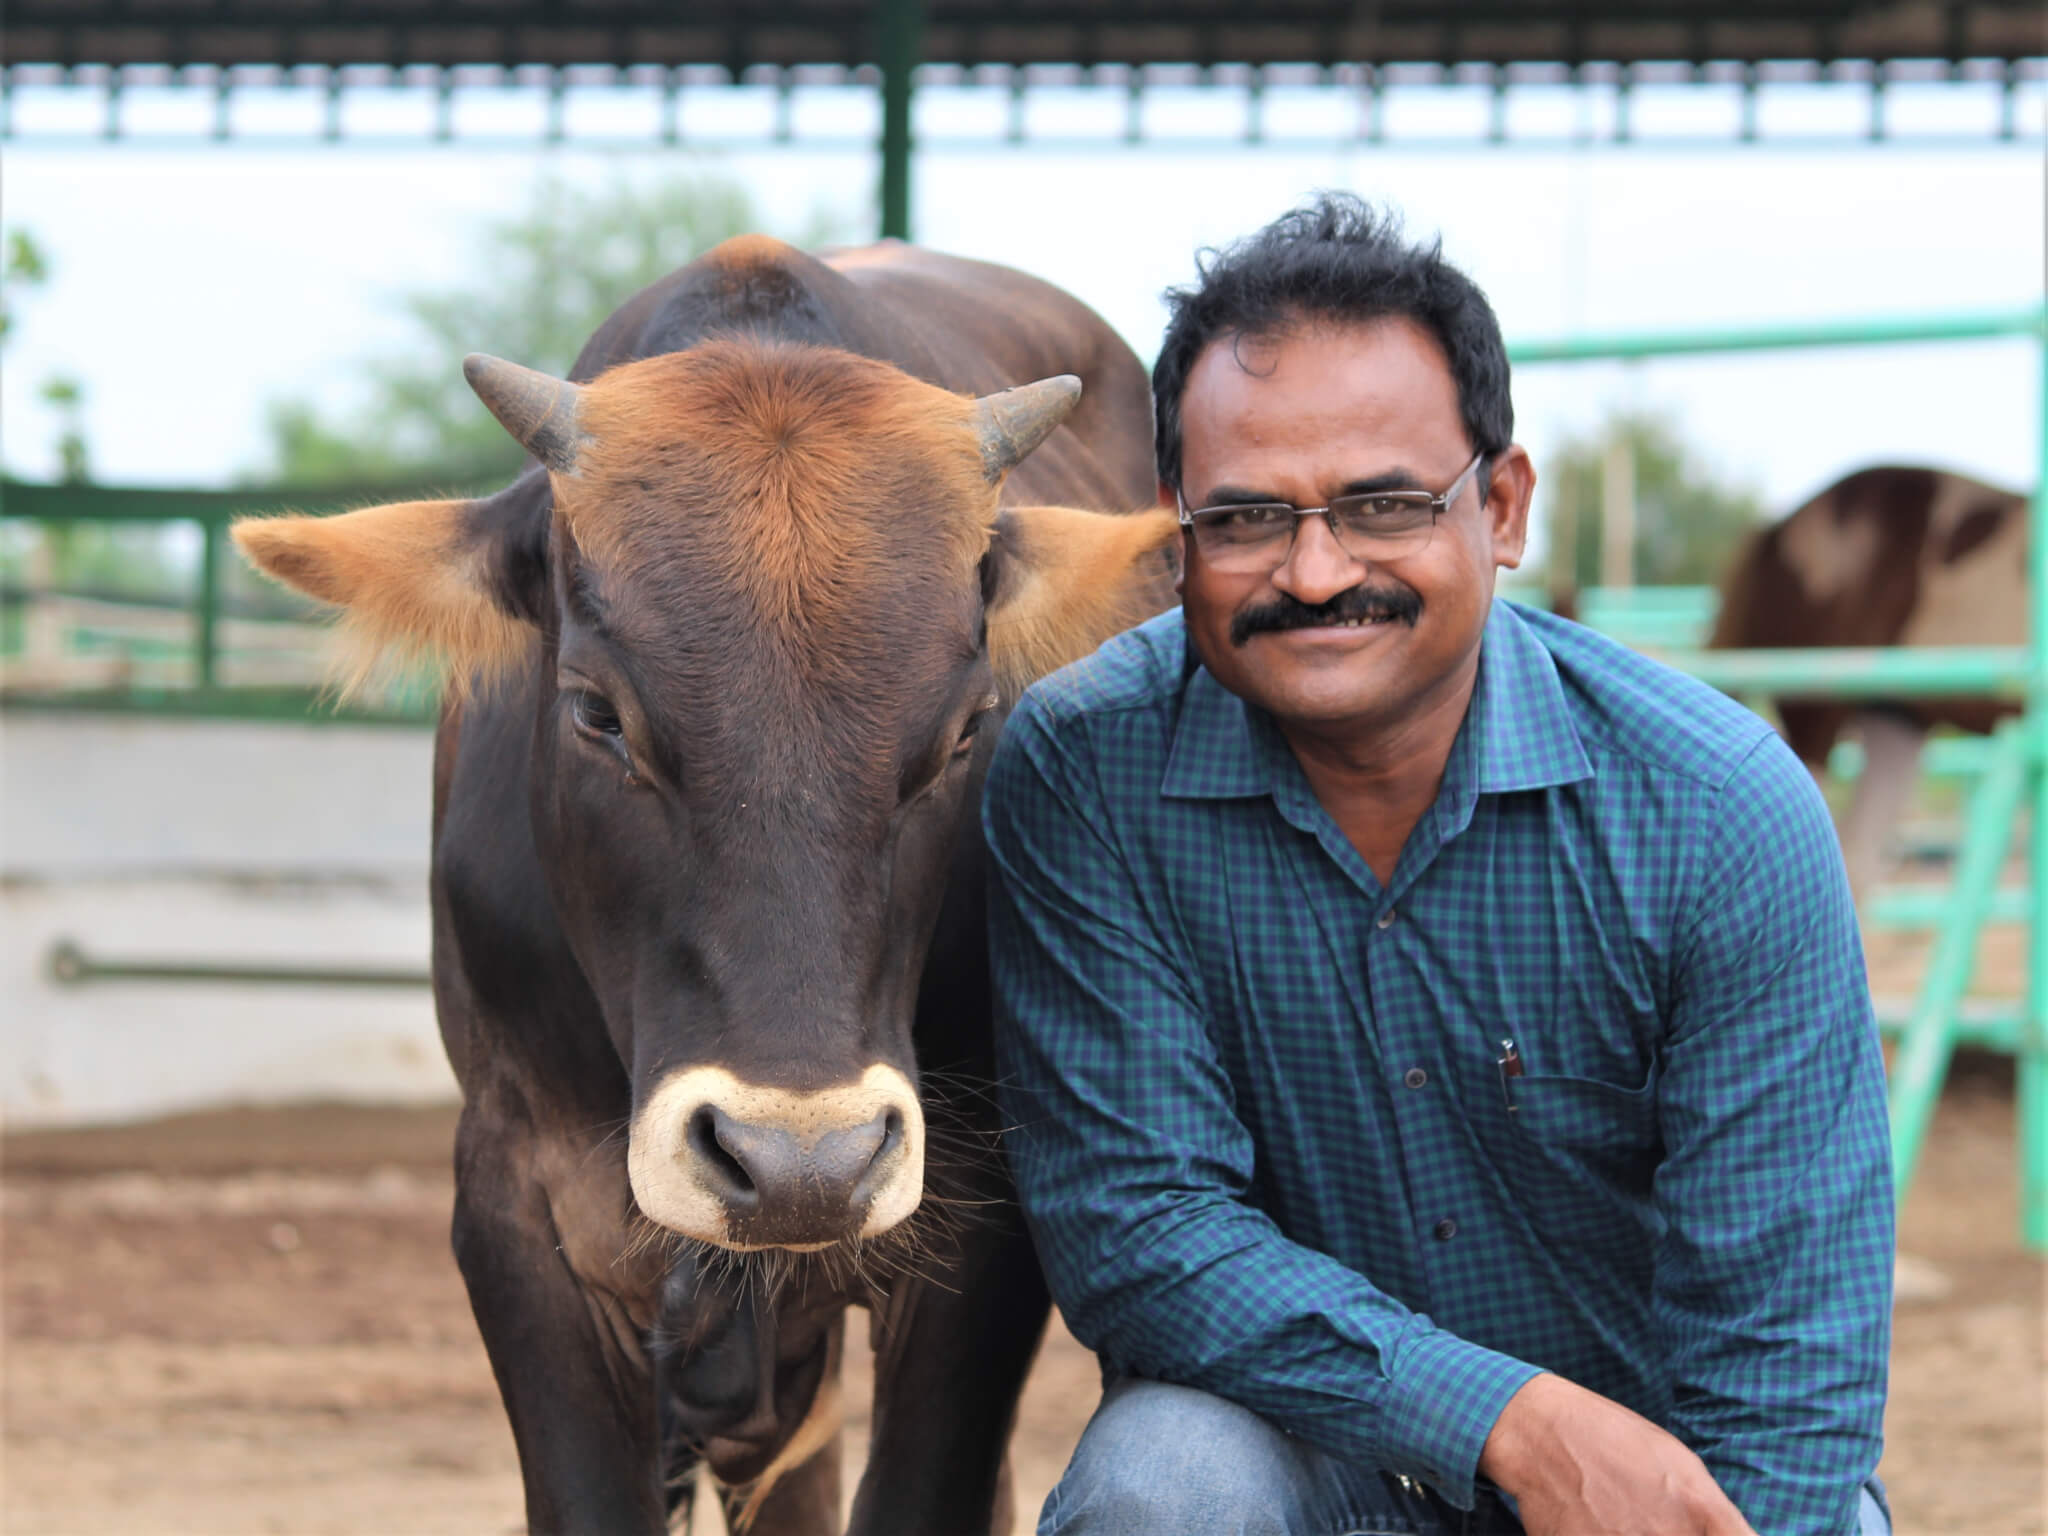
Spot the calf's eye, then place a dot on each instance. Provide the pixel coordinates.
(595, 715)
(972, 728)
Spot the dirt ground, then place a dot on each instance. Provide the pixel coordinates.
(249, 1322)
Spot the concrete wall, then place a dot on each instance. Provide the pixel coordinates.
(220, 843)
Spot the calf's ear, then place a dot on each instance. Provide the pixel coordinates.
(453, 582)
(1060, 581)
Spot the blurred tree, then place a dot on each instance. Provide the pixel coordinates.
(544, 280)
(74, 462)
(25, 265)
(1688, 521)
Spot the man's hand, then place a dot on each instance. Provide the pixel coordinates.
(1579, 1464)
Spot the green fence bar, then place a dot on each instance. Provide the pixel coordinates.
(206, 622)
(70, 966)
(1870, 672)
(1875, 332)
(1986, 1024)
(2032, 1064)
(1921, 907)
(1944, 757)
(1930, 1034)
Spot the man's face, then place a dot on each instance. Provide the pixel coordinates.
(1319, 411)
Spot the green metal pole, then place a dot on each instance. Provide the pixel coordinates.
(207, 638)
(2032, 1067)
(1879, 331)
(69, 966)
(1930, 1035)
(901, 45)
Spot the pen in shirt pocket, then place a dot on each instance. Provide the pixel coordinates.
(1509, 1063)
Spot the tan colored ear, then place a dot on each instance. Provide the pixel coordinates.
(412, 578)
(1066, 580)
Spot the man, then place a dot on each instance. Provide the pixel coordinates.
(1443, 1075)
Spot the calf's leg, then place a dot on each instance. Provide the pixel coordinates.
(950, 1361)
(1891, 767)
(576, 1388)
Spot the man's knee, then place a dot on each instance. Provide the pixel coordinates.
(1158, 1457)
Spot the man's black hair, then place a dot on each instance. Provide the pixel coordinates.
(1335, 258)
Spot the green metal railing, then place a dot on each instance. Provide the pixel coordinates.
(2014, 782)
(210, 512)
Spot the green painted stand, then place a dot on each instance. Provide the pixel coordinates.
(2010, 790)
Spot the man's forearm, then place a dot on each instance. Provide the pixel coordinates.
(1578, 1464)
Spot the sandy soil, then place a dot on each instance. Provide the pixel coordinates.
(249, 1322)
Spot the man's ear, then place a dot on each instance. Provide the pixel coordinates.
(1169, 498)
(1059, 581)
(1511, 487)
(457, 582)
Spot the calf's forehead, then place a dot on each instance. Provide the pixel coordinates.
(777, 471)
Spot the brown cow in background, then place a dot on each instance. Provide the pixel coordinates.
(1887, 556)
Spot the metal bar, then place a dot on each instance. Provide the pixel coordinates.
(1865, 672)
(70, 966)
(1945, 757)
(901, 44)
(298, 706)
(1921, 1062)
(206, 629)
(1982, 1024)
(35, 501)
(1928, 906)
(2032, 1065)
(1881, 331)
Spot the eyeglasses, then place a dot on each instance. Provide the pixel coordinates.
(1379, 525)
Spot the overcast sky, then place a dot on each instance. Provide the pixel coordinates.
(193, 284)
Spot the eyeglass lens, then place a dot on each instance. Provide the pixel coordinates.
(1367, 527)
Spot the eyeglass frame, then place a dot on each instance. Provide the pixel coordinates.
(1438, 505)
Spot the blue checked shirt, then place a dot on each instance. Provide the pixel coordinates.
(1260, 1131)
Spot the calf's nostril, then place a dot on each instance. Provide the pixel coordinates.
(706, 1137)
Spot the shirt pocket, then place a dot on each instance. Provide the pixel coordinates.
(1584, 1114)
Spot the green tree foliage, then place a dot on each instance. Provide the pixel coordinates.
(542, 281)
(1688, 520)
(25, 266)
(74, 460)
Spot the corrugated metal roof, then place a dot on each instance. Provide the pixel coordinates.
(740, 34)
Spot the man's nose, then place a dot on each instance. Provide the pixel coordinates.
(1317, 567)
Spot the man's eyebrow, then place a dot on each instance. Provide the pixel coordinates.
(1396, 479)
(1238, 496)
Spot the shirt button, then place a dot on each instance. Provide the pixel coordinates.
(1386, 919)
(1445, 1230)
(1415, 1077)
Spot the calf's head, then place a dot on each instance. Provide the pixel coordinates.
(770, 614)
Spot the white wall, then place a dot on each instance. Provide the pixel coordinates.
(211, 842)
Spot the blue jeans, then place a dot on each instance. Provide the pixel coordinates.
(1167, 1459)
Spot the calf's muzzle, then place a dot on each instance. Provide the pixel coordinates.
(747, 1165)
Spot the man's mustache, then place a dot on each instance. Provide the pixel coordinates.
(1373, 604)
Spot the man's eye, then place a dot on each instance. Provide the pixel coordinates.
(1254, 517)
(595, 715)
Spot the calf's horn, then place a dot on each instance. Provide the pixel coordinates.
(536, 408)
(1016, 421)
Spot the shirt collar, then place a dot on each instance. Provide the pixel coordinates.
(1518, 733)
